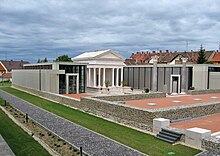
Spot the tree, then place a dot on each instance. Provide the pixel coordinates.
(63, 58)
(201, 59)
(45, 60)
(42, 61)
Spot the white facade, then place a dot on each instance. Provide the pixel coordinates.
(102, 67)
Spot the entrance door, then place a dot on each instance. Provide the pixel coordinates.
(175, 84)
(72, 85)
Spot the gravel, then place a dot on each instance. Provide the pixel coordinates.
(91, 142)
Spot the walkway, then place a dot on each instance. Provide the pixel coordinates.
(4, 148)
(91, 142)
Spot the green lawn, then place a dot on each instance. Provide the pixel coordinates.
(135, 139)
(19, 141)
(5, 84)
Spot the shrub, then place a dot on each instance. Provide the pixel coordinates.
(191, 88)
(146, 90)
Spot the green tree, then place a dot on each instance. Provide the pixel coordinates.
(45, 60)
(38, 61)
(63, 58)
(201, 59)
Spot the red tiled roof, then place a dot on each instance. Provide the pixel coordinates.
(7, 75)
(1, 67)
(13, 64)
(216, 58)
(165, 57)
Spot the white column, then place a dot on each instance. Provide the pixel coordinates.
(113, 77)
(94, 77)
(103, 77)
(89, 77)
(67, 84)
(99, 83)
(117, 76)
(121, 75)
(77, 84)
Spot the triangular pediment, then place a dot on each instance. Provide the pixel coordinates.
(109, 56)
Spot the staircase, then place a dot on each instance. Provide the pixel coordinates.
(168, 136)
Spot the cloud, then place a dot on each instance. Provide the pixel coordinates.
(36, 29)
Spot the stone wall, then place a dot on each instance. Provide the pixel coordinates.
(128, 115)
(55, 97)
(207, 91)
(187, 111)
(134, 117)
(127, 97)
(212, 144)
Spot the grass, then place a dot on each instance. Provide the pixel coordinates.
(5, 84)
(19, 141)
(135, 139)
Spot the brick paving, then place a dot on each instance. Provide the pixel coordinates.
(91, 142)
(174, 101)
(210, 122)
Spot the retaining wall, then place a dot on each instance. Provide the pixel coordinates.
(212, 144)
(127, 97)
(55, 97)
(131, 116)
(208, 91)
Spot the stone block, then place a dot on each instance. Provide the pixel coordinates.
(195, 135)
(159, 123)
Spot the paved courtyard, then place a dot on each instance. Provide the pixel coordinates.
(91, 142)
(174, 101)
(211, 122)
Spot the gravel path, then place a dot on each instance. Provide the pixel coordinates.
(91, 142)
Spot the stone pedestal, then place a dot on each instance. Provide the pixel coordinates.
(195, 135)
(159, 123)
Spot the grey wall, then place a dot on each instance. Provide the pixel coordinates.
(214, 80)
(44, 80)
(200, 76)
(140, 77)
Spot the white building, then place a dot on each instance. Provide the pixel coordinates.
(102, 66)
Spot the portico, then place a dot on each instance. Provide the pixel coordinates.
(104, 68)
(99, 76)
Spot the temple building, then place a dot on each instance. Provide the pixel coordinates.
(103, 67)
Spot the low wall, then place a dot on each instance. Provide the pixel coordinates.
(128, 115)
(134, 117)
(127, 97)
(207, 91)
(55, 97)
(188, 111)
(212, 144)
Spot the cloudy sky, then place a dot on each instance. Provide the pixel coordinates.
(32, 29)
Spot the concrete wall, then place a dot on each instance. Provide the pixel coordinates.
(44, 80)
(200, 77)
(214, 80)
(140, 77)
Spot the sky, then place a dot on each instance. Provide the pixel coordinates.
(35, 29)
